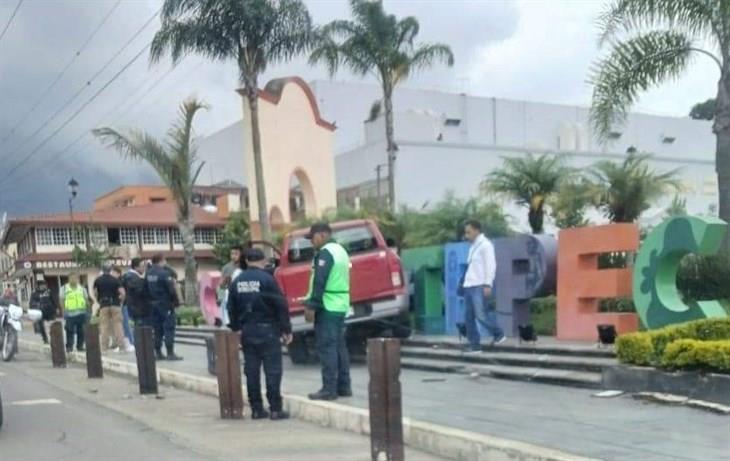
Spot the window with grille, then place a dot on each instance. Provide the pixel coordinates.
(128, 235)
(61, 236)
(205, 236)
(155, 236)
(98, 237)
(44, 236)
(176, 237)
(219, 235)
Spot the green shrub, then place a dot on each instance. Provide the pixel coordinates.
(188, 315)
(693, 354)
(616, 305)
(668, 346)
(543, 315)
(635, 348)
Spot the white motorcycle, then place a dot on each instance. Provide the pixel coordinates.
(10, 326)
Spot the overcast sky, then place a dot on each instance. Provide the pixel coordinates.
(537, 50)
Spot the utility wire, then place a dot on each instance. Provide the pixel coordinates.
(86, 85)
(58, 78)
(56, 159)
(10, 21)
(75, 114)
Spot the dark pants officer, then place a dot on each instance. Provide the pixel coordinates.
(257, 306)
(163, 322)
(335, 360)
(262, 346)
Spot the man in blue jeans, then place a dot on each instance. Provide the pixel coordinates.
(478, 279)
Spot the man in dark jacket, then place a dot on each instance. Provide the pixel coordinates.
(137, 297)
(42, 299)
(163, 301)
(259, 310)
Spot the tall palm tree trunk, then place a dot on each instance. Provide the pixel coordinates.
(390, 143)
(251, 88)
(187, 232)
(721, 127)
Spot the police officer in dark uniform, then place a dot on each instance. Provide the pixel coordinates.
(257, 307)
(162, 300)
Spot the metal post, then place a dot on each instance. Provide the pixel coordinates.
(228, 369)
(93, 351)
(58, 350)
(146, 366)
(386, 413)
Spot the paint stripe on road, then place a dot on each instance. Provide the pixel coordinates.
(28, 403)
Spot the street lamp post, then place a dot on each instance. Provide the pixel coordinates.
(73, 190)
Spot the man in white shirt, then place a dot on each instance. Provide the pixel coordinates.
(478, 279)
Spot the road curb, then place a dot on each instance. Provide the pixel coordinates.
(454, 444)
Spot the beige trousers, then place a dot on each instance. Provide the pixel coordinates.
(110, 323)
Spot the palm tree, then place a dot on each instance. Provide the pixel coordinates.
(656, 40)
(378, 43)
(531, 181)
(568, 207)
(177, 164)
(627, 189)
(253, 33)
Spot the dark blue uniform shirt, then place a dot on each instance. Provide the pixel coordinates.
(254, 299)
(161, 288)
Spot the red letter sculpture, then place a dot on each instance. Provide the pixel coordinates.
(581, 285)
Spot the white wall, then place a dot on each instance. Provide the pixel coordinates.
(223, 154)
(518, 123)
(426, 171)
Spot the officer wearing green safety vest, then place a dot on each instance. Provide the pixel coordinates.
(75, 303)
(329, 300)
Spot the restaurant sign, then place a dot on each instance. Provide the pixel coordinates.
(41, 265)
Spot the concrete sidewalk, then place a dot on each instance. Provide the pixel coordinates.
(565, 419)
(192, 421)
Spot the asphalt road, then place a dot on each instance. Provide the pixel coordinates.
(46, 423)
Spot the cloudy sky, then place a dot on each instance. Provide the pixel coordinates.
(535, 50)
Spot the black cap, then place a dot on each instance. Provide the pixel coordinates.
(254, 254)
(317, 228)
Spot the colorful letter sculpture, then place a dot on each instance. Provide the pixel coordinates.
(656, 297)
(581, 284)
(525, 269)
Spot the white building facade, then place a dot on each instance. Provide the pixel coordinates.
(450, 142)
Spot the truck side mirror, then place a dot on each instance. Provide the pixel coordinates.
(390, 242)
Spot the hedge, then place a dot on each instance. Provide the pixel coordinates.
(668, 347)
(694, 354)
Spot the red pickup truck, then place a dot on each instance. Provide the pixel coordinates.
(378, 289)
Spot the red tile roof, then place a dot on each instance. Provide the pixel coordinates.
(154, 214)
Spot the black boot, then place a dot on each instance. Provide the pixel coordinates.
(345, 392)
(322, 395)
(259, 413)
(159, 355)
(171, 355)
(279, 415)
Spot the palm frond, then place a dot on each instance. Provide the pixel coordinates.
(137, 145)
(695, 17)
(426, 55)
(634, 66)
(191, 35)
(628, 188)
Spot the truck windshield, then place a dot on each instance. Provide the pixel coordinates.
(354, 239)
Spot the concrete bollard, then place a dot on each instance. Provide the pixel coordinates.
(228, 370)
(58, 350)
(93, 351)
(386, 412)
(146, 366)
